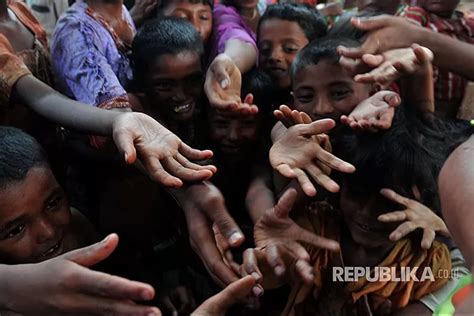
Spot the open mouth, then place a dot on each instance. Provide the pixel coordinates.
(181, 109)
(278, 72)
(230, 149)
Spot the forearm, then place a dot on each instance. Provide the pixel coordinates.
(418, 90)
(449, 53)
(259, 198)
(58, 108)
(242, 54)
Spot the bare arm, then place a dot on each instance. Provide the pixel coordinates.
(242, 54)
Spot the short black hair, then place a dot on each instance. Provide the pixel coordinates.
(410, 153)
(168, 35)
(261, 85)
(319, 49)
(19, 153)
(163, 4)
(308, 18)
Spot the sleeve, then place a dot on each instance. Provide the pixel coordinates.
(415, 15)
(80, 64)
(228, 25)
(29, 20)
(12, 68)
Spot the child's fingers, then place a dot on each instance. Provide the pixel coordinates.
(385, 121)
(333, 162)
(286, 171)
(95, 305)
(285, 203)
(317, 241)
(194, 166)
(373, 60)
(168, 306)
(397, 216)
(305, 271)
(423, 54)
(394, 196)
(306, 118)
(305, 183)
(194, 154)
(158, 173)
(275, 261)
(392, 99)
(402, 230)
(318, 127)
(428, 238)
(321, 178)
(297, 117)
(298, 251)
(178, 170)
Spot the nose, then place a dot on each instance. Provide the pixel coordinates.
(195, 22)
(322, 107)
(45, 230)
(276, 54)
(179, 94)
(234, 134)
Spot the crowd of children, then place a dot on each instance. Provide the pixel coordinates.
(249, 154)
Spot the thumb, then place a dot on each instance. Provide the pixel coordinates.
(392, 99)
(93, 254)
(372, 23)
(221, 74)
(221, 302)
(285, 203)
(125, 144)
(317, 127)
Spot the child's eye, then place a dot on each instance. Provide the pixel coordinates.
(340, 94)
(53, 203)
(204, 17)
(290, 49)
(265, 51)
(163, 87)
(304, 98)
(15, 231)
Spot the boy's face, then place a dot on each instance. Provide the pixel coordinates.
(443, 8)
(174, 84)
(233, 135)
(327, 90)
(34, 219)
(279, 48)
(198, 14)
(360, 213)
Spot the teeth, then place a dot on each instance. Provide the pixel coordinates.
(182, 108)
(51, 250)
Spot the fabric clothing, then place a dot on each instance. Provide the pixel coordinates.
(448, 86)
(228, 24)
(90, 62)
(361, 297)
(12, 69)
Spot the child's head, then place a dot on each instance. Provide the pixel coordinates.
(443, 8)
(34, 213)
(241, 4)
(167, 57)
(321, 86)
(234, 137)
(284, 29)
(379, 6)
(198, 12)
(406, 158)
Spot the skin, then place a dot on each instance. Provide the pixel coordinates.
(327, 90)
(234, 136)
(442, 8)
(278, 49)
(199, 14)
(35, 217)
(173, 86)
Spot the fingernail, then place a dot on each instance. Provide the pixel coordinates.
(126, 157)
(256, 276)
(235, 238)
(257, 291)
(146, 295)
(106, 239)
(224, 83)
(279, 270)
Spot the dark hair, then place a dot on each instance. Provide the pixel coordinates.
(308, 18)
(262, 87)
(163, 4)
(19, 153)
(411, 153)
(319, 49)
(168, 35)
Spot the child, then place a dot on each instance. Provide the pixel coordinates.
(442, 17)
(37, 223)
(167, 56)
(407, 159)
(302, 24)
(198, 13)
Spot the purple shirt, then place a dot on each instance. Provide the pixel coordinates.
(87, 64)
(228, 24)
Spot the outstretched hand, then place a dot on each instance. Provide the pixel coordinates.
(414, 216)
(279, 236)
(373, 114)
(297, 154)
(223, 87)
(65, 286)
(166, 158)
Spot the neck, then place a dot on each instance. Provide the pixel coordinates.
(110, 6)
(3, 10)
